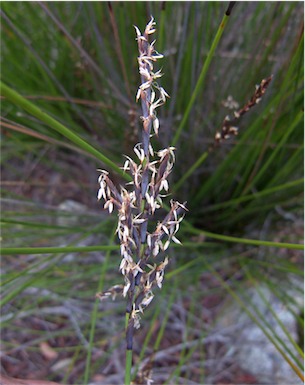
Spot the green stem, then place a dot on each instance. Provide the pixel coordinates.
(54, 250)
(128, 367)
(85, 249)
(202, 76)
(255, 242)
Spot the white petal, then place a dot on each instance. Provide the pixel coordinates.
(148, 239)
(165, 229)
(99, 194)
(164, 185)
(137, 31)
(126, 288)
(151, 150)
(138, 94)
(166, 244)
(176, 240)
(122, 264)
(155, 251)
(110, 207)
(156, 125)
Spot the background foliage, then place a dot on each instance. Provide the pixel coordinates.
(74, 67)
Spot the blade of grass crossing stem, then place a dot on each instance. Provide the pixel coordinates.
(95, 309)
(253, 318)
(186, 225)
(202, 76)
(20, 101)
(72, 249)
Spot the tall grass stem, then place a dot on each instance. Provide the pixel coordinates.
(200, 82)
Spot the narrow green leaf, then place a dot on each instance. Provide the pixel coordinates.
(20, 101)
(54, 250)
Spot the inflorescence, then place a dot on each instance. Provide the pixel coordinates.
(137, 205)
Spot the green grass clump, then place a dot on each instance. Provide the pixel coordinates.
(69, 79)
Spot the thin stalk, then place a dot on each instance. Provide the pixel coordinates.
(128, 365)
(85, 249)
(254, 242)
(202, 77)
(54, 250)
